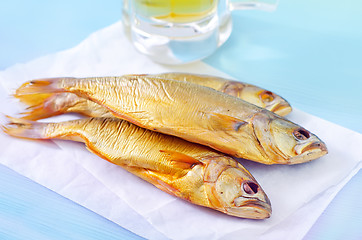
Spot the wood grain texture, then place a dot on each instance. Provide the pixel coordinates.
(31, 211)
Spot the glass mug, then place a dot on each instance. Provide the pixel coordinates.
(182, 31)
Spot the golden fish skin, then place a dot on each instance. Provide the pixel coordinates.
(52, 105)
(195, 113)
(247, 92)
(189, 171)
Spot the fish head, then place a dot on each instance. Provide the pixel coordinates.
(258, 96)
(235, 192)
(285, 142)
(274, 103)
(269, 100)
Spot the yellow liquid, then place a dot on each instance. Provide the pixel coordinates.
(175, 11)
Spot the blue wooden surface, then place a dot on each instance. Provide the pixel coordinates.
(30, 211)
(315, 47)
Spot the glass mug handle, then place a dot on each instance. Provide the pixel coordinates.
(264, 5)
(172, 42)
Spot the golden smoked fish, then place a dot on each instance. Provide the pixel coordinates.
(247, 92)
(195, 113)
(187, 170)
(54, 104)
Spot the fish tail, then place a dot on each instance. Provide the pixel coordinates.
(22, 128)
(45, 85)
(33, 99)
(39, 112)
(43, 105)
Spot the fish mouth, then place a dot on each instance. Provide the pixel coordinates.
(251, 208)
(281, 108)
(315, 145)
(308, 152)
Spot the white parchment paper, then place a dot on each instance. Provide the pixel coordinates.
(299, 193)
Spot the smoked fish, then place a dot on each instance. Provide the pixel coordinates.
(54, 104)
(186, 170)
(195, 113)
(247, 92)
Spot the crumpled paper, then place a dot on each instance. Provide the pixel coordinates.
(298, 193)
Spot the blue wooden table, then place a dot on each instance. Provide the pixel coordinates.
(314, 47)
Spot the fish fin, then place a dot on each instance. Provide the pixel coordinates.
(181, 160)
(48, 104)
(162, 182)
(22, 128)
(45, 85)
(39, 112)
(32, 99)
(233, 88)
(225, 122)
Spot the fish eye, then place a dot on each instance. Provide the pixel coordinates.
(250, 187)
(267, 96)
(301, 134)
